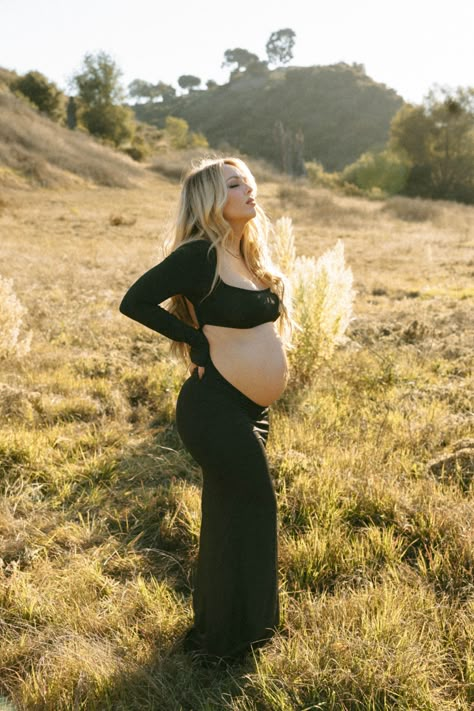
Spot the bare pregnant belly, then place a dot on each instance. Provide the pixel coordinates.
(252, 359)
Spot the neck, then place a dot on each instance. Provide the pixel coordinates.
(233, 242)
(237, 228)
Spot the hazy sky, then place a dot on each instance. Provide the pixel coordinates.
(408, 45)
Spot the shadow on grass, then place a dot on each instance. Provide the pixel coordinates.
(174, 681)
(154, 508)
(147, 513)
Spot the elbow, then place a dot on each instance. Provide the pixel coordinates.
(126, 306)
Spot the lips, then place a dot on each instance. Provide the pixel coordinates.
(250, 201)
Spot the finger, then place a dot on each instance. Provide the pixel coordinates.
(200, 371)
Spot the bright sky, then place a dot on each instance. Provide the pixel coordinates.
(408, 45)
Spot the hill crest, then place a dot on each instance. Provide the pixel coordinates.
(337, 111)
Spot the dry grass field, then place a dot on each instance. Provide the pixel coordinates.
(372, 462)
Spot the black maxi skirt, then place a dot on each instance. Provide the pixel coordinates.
(235, 586)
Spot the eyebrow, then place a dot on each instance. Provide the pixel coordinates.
(233, 177)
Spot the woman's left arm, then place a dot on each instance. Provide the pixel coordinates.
(185, 271)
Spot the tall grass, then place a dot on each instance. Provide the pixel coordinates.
(12, 341)
(322, 299)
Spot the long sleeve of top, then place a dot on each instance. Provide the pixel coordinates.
(187, 271)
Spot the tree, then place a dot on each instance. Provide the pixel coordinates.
(290, 147)
(99, 81)
(140, 89)
(257, 68)
(166, 91)
(101, 98)
(44, 94)
(359, 68)
(241, 58)
(280, 46)
(438, 140)
(188, 81)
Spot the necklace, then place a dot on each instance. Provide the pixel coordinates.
(236, 256)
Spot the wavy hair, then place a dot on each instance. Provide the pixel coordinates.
(200, 216)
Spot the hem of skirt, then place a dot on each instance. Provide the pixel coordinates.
(192, 645)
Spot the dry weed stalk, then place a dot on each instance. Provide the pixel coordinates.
(322, 298)
(11, 318)
(283, 246)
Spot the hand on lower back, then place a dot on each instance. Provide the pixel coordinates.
(200, 369)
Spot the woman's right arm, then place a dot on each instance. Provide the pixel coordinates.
(185, 271)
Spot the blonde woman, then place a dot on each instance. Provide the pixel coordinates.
(225, 299)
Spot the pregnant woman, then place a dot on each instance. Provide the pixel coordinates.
(224, 299)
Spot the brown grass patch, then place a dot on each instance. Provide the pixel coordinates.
(411, 209)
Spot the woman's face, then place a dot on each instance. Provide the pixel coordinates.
(239, 207)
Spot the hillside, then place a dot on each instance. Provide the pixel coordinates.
(35, 150)
(339, 109)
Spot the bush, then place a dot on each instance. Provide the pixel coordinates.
(139, 149)
(384, 171)
(322, 300)
(7, 77)
(318, 177)
(411, 209)
(181, 137)
(11, 317)
(112, 122)
(42, 93)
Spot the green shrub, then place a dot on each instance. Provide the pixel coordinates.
(181, 137)
(318, 177)
(111, 122)
(384, 171)
(139, 149)
(42, 93)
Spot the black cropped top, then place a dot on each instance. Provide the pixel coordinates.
(189, 270)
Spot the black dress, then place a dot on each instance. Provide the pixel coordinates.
(235, 586)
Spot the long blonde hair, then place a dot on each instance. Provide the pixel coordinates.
(200, 216)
